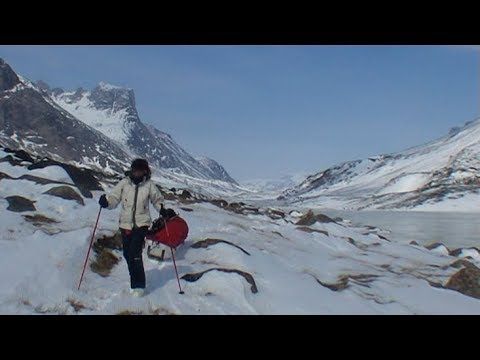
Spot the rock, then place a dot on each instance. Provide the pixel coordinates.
(466, 281)
(295, 213)
(185, 195)
(39, 219)
(461, 262)
(455, 252)
(104, 262)
(20, 154)
(8, 78)
(275, 214)
(236, 205)
(459, 251)
(277, 233)
(414, 243)
(105, 259)
(248, 277)
(169, 196)
(310, 230)
(340, 285)
(4, 176)
(114, 242)
(343, 281)
(310, 218)
(11, 160)
(208, 242)
(39, 180)
(77, 304)
(186, 209)
(129, 312)
(433, 245)
(321, 218)
(65, 192)
(220, 203)
(20, 204)
(84, 179)
(249, 210)
(356, 244)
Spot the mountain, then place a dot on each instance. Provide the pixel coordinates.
(430, 176)
(274, 185)
(31, 120)
(216, 170)
(111, 110)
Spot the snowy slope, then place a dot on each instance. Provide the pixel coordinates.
(335, 269)
(447, 168)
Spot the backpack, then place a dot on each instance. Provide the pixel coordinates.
(171, 231)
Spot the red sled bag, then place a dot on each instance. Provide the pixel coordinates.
(173, 232)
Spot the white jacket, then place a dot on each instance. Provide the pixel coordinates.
(126, 192)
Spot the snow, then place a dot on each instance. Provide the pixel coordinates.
(40, 266)
(107, 87)
(296, 214)
(208, 188)
(118, 123)
(16, 88)
(467, 203)
(53, 172)
(274, 186)
(442, 249)
(406, 183)
(111, 124)
(448, 161)
(470, 252)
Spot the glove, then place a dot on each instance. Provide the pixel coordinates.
(163, 212)
(103, 201)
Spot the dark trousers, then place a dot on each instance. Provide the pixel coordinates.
(133, 244)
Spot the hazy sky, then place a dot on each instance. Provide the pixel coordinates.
(264, 111)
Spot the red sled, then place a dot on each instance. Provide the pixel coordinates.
(172, 234)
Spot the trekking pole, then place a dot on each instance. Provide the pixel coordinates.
(89, 248)
(176, 272)
(174, 263)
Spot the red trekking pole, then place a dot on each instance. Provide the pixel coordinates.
(89, 248)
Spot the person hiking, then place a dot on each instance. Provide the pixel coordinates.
(134, 192)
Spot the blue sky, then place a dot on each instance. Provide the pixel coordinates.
(265, 111)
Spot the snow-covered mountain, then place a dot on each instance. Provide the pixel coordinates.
(108, 137)
(111, 110)
(232, 262)
(217, 170)
(32, 121)
(443, 174)
(273, 186)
